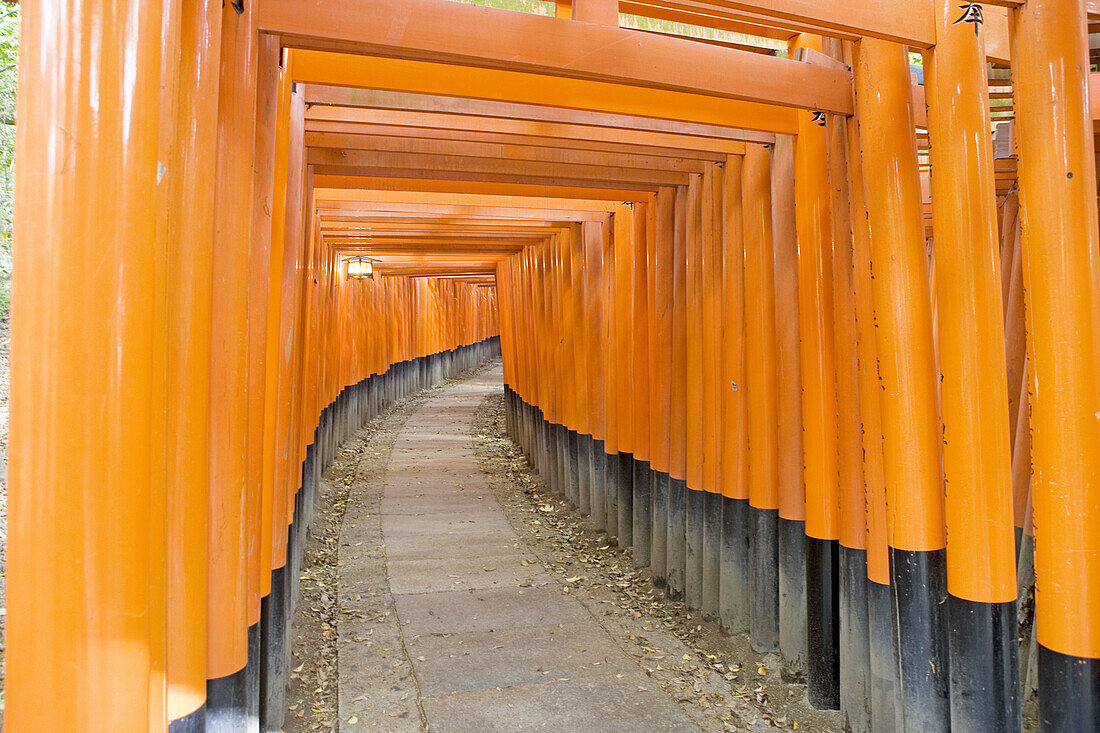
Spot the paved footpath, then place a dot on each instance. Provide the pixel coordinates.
(481, 637)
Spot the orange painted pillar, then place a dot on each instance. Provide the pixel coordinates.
(813, 210)
(880, 624)
(678, 380)
(1062, 287)
(697, 190)
(280, 174)
(661, 286)
(227, 553)
(792, 492)
(762, 397)
(594, 234)
(568, 371)
(641, 395)
(190, 254)
(266, 124)
(579, 354)
(977, 464)
(907, 370)
(714, 244)
(734, 590)
(853, 632)
(86, 532)
(279, 395)
(623, 322)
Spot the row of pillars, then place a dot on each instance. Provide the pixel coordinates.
(187, 353)
(797, 412)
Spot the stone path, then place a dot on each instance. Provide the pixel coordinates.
(475, 635)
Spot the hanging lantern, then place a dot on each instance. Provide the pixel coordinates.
(360, 268)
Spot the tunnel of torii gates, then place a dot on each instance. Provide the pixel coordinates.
(814, 332)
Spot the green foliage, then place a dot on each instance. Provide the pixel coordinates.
(9, 60)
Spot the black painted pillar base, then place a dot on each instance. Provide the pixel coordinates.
(553, 468)
(733, 592)
(984, 665)
(822, 630)
(880, 620)
(920, 588)
(1069, 692)
(611, 496)
(658, 553)
(599, 485)
(227, 703)
(625, 504)
(560, 468)
(693, 570)
(854, 640)
(676, 539)
(273, 663)
(584, 473)
(764, 579)
(546, 450)
(574, 462)
(792, 595)
(252, 677)
(642, 532)
(712, 552)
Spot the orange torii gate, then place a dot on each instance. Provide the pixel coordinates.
(726, 334)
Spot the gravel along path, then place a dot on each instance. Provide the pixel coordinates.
(447, 589)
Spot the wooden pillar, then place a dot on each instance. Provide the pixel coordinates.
(190, 255)
(908, 376)
(1062, 287)
(86, 533)
(813, 209)
(601, 12)
(981, 567)
(792, 493)
(762, 397)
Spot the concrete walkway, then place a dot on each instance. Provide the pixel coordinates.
(490, 639)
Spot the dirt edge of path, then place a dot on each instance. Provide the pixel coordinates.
(717, 678)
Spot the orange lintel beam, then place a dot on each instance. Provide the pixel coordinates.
(429, 254)
(490, 37)
(523, 200)
(476, 269)
(452, 234)
(443, 235)
(415, 241)
(462, 176)
(337, 211)
(374, 72)
(432, 163)
(906, 22)
(392, 263)
(896, 20)
(717, 18)
(435, 242)
(450, 224)
(490, 188)
(444, 145)
(519, 132)
(323, 99)
(319, 133)
(456, 128)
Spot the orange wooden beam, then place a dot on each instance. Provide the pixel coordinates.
(489, 37)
